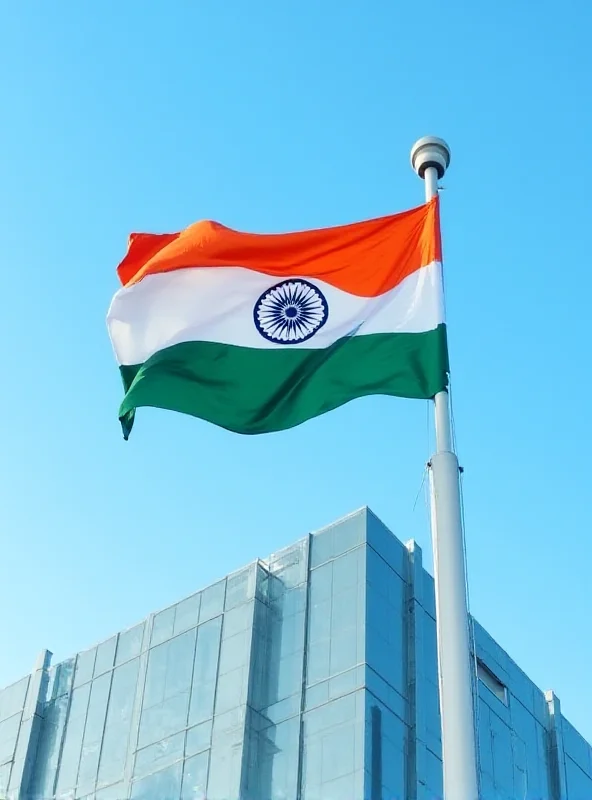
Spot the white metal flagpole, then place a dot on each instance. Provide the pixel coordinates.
(430, 158)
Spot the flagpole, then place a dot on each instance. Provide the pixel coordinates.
(430, 158)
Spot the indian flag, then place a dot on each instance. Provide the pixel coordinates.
(260, 332)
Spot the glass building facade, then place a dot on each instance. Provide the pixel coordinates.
(311, 675)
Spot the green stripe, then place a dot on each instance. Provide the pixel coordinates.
(249, 390)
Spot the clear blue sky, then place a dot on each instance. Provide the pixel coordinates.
(122, 116)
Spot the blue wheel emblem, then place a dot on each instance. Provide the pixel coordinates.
(290, 312)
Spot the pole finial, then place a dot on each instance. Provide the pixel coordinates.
(429, 151)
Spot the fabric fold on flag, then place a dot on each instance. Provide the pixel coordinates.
(261, 332)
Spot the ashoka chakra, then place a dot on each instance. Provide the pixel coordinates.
(290, 312)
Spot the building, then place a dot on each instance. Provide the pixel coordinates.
(309, 676)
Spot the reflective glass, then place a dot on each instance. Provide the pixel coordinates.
(198, 738)
(48, 749)
(202, 702)
(240, 587)
(162, 626)
(85, 665)
(181, 651)
(12, 699)
(232, 690)
(344, 652)
(291, 634)
(115, 792)
(159, 755)
(234, 652)
(387, 545)
(163, 719)
(225, 773)
(321, 547)
(72, 745)
(4, 777)
(344, 612)
(60, 678)
(129, 644)
(212, 601)
(289, 676)
(187, 614)
(169, 669)
(238, 619)
(228, 728)
(278, 712)
(289, 566)
(345, 570)
(195, 777)
(9, 729)
(164, 785)
(105, 656)
(206, 655)
(273, 771)
(318, 661)
(93, 733)
(321, 584)
(117, 726)
(320, 622)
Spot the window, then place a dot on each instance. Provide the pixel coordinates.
(493, 683)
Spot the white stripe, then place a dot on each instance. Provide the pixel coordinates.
(216, 305)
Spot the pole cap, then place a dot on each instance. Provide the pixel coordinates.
(429, 151)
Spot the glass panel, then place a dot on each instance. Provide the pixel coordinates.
(318, 662)
(350, 533)
(155, 685)
(169, 669)
(73, 739)
(289, 679)
(12, 699)
(60, 678)
(289, 566)
(321, 584)
(321, 547)
(212, 601)
(48, 749)
(105, 656)
(240, 587)
(187, 614)
(231, 690)
(164, 785)
(85, 667)
(93, 733)
(159, 755)
(195, 776)
(345, 571)
(202, 702)
(181, 651)
(343, 612)
(206, 656)
(164, 719)
(162, 628)
(238, 619)
(386, 544)
(234, 652)
(129, 644)
(320, 621)
(116, 792)
(228, 728)
(9, 729)
(199, 738)
(225, 772)
(4, 777)
(117, 727)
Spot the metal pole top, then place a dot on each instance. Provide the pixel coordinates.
(430, 151)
